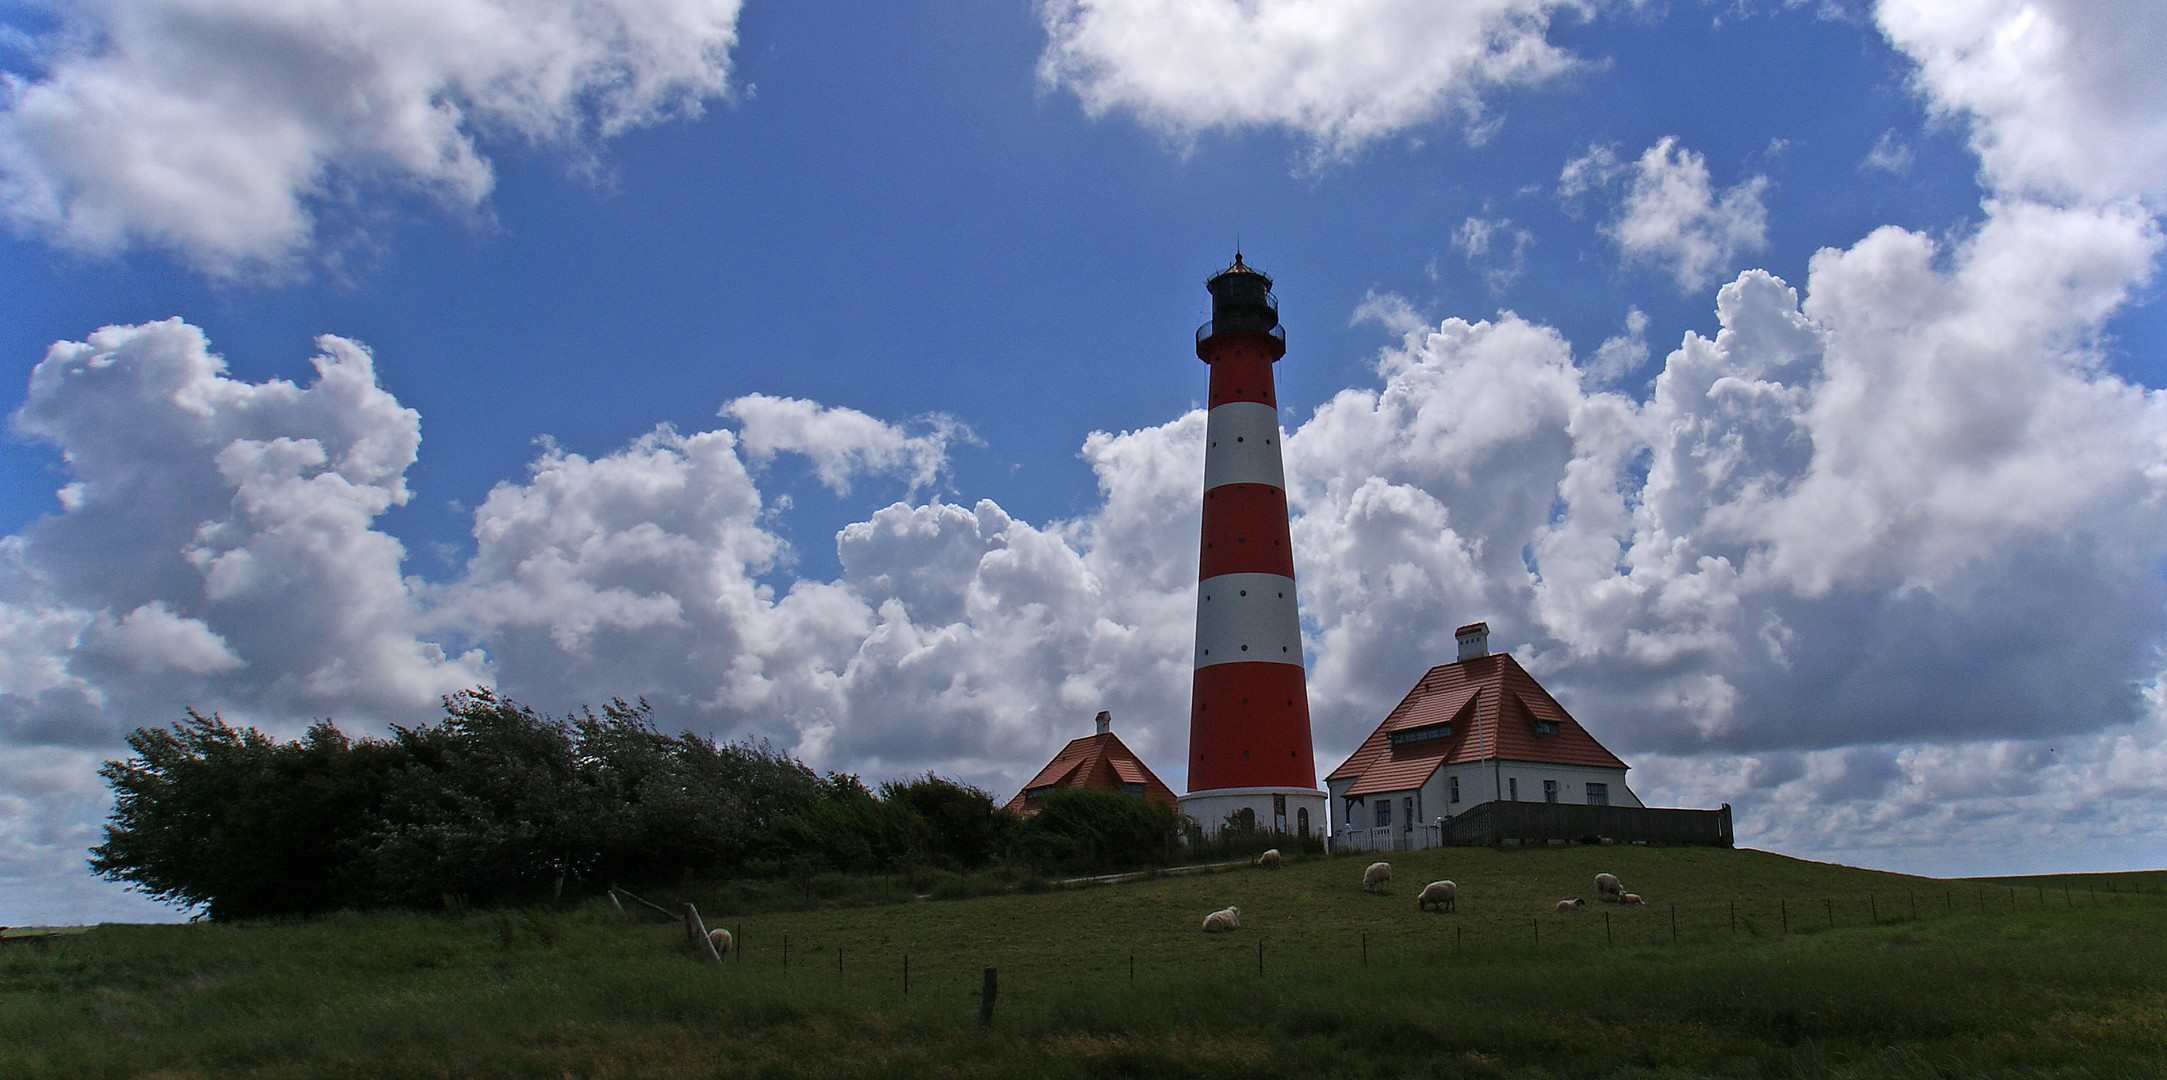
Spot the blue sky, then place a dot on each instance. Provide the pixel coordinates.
(947, 259)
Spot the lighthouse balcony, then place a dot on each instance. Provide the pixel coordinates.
(1238, 324)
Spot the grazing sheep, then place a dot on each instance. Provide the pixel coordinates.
(1377, 874)
(1223, 920)
(1441, 893)
(720, 939)
(1269, 860)
(1630, 899)
(1607, 887)
(1573, 904)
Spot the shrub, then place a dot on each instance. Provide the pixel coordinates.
(1087, 829)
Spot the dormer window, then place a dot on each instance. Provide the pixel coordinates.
(1421, 734)
(1546, 727)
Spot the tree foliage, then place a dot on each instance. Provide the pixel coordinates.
(497, 802)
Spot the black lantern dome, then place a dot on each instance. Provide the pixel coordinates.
(1241, 300)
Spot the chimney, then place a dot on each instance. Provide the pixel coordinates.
(1474, 640)
(1105, 721)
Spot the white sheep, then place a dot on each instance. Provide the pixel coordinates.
(720, 939)
(1377, 874)
(1573, 904)
(1631, 899)
(1223, 920)
(1441, 893)
(1269, 860)
(1607, 887)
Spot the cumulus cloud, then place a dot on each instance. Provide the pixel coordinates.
(842, 443)
(2066, 98)
(1340, 74)
(1671, 214)
(220, 129)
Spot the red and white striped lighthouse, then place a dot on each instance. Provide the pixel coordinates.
(1249, 751)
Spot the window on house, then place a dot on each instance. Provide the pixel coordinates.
(1249, 819)
(1598, 794)
(1512, 789)
(1133, 789)
(1420, 734)
(1546, 727)
(1452, 788)
(1408, 805)
(1038, 792)
(1384, 813)
(1549, 791)
(1301, 820)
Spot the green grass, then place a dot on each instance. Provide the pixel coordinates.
(2041, 984)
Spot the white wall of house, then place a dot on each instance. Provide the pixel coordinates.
(1478, 783)
(1209, 809)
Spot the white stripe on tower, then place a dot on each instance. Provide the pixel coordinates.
(1241, 445)
(1247, 617)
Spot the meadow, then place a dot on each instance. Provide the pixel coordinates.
(1743, 964)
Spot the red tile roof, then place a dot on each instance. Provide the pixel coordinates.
(1492, 704)
(1096, 761)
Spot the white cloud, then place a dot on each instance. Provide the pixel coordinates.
(1890, 155)
(1671, 215)
(1476, 237)
(841, 443)
(1342, 74)
(2067, 98)
(217, 544)
(1621, 354)
(220, 129)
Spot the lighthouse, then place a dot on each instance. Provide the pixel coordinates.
(1250, 760)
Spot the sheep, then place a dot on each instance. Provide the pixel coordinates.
(1573, 904)
(1441, 893)
(1269, 860)
(1607, 887)
(1631, 899)
(720, 939)
(1223, 920)
(1377, 874)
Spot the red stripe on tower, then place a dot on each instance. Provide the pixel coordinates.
(1250, 758)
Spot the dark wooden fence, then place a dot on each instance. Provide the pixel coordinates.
(1494, 823)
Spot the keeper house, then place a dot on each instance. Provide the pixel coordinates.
(1099, 760)
(1474, 732)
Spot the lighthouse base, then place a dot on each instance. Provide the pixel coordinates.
(1290, 810)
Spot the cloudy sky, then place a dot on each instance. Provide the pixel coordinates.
(1777, 379)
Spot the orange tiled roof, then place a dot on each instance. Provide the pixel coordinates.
(1492, 704)
(1098, 761)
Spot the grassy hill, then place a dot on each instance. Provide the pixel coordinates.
(1743, 964)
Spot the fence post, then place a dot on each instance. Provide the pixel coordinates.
(786, 951)
(1674, 924)
(1260, 956)
(991, 990)
(1365, 947)
(1873, 908)
(906, 975)
(1831, 905)
(697, 929)
(838, 961)
(1456, 931)
(1537, 920)
(1606, 929)
(1734, 918)
(1132, 969)
(1783, 905)
(1914, 905)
